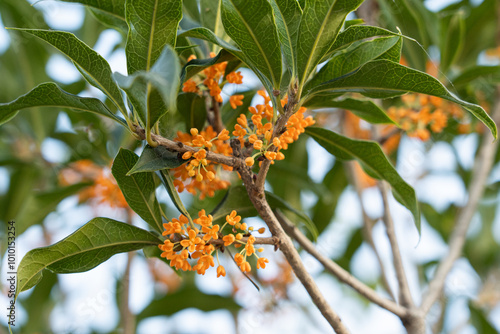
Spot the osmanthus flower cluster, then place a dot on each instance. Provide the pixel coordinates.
(423, 114)
(190, 245)
(210, 81)
(204, 176)
(104, 189)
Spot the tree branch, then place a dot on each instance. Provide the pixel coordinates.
(482, 167)
(368, 227)
(405, 297)
(291, 254)
(341, 274)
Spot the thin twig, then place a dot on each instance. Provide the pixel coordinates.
(367, 223)
(480, 173)
(405, 297)
(339, 272)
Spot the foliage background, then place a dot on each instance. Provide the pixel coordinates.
(37, 145)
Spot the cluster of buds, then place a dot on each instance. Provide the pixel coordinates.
(259, 133)
(423, 114)
(199, 174)
(190, 245)
(211, 82)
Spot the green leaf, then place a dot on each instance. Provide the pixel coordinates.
(187, 297)
(146, 89)
(152, 25)
(211, 17)
(251, 25)
(109, 12)
(350, 59)
(383, 78)
(371, 156)
(237, 199)
(324, 210)
(112, 7)
(83, 250)
(37, 207)
(319, 27)
(415, 21)
(366, 110)
(50, 95)
(358, 33)
(110, 20)
(138, 189)
(452, 37)
(172, 192)
(394, 53)
(197, 65)
(287, 14)
(209, 36)
(192, 107)
(490, 74)
(156, 158)
(94, 68)
(480, 320)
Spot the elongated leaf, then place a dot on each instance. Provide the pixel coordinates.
(251, 25)
(209, 36)
(172, 192)
(92, 65)
(37, 207)
(490, 74)
(112, 7)
(50, 95)
(192, 108)
(351, 58)
(237, 199)
(156, 158)
(138, 189)
(109, 12)
(164, 78)
(152, 25)
(319, 27)
(382, 78)
(110, 20)
(83, 250)
(358, 33)
(324, 210)
(187, 297)
(452, 37)
(211, 17)
(287, 14)
(366, 110)
(371, 156)
(394, 53)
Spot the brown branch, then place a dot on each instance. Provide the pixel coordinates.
(258, 241)
(291, 254)
(339, 272)
(482, 167)
(405, 297)
(216, 122)
(181, 148)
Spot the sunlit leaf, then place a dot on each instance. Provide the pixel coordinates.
(371, 156)
(138, 189)
(83, 250)
(50, 95)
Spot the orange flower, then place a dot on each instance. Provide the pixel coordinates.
(236, 100)
(190, 86)
(234, 78)
(221, 271)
